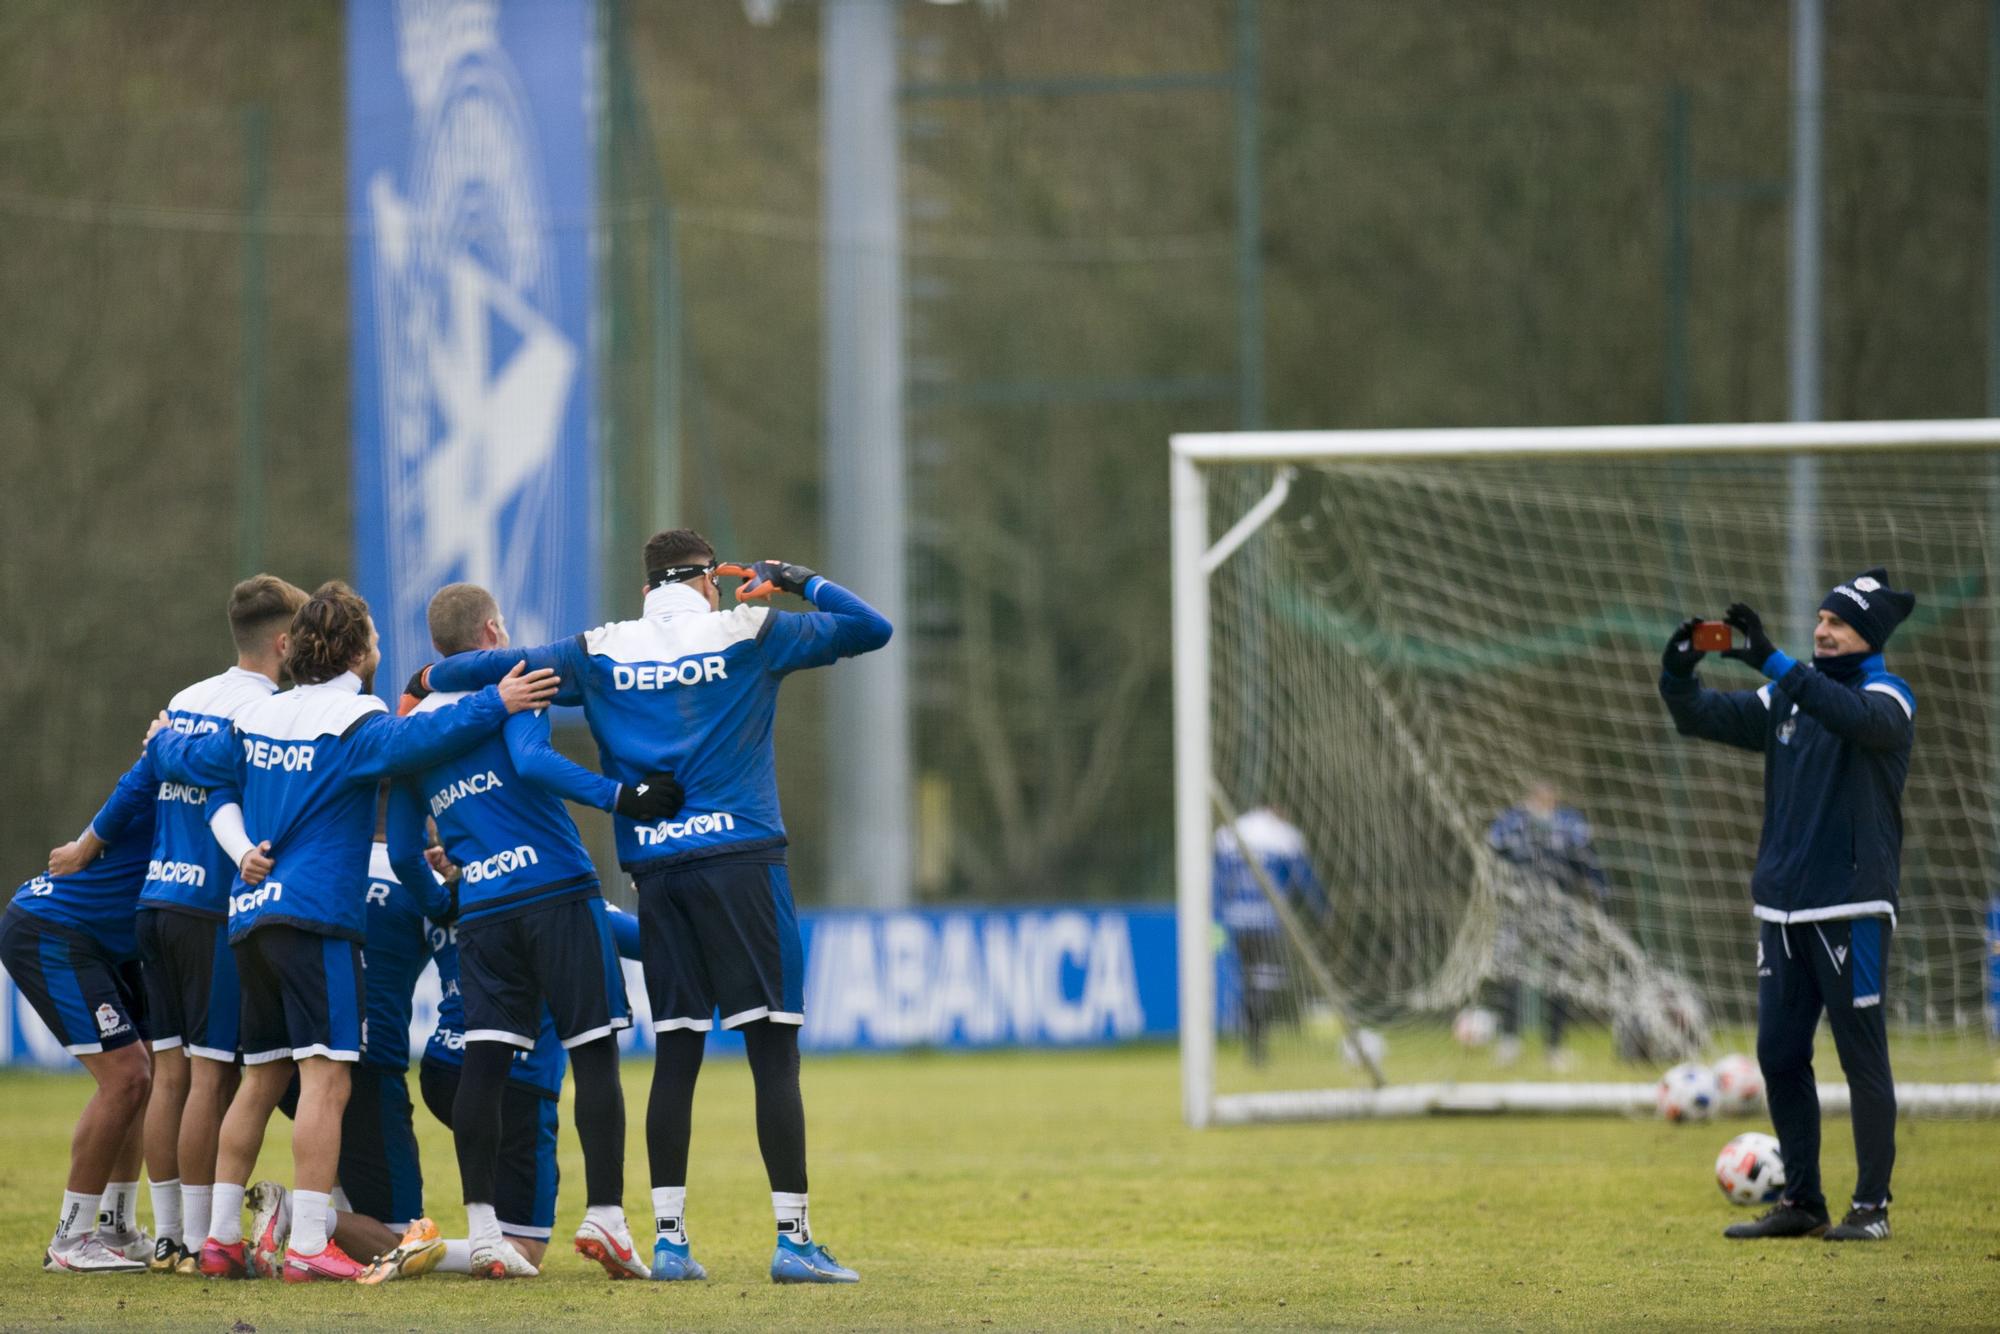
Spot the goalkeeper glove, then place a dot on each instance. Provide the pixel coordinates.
(1681, 655)
(414, 692)
(775, 576)
(656, 797)
(1758, 646)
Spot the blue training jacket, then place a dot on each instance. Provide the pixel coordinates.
(1835, 757)
(99, 901)
(693, 692)
(397, 948)
(500, 816)
(189, 871)
(542, 1067)
(306, 762)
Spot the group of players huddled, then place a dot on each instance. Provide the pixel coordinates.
(220, 907)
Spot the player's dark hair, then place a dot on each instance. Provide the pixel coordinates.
(676, 546)
(259, 607)
(328, 634)
(458, 617)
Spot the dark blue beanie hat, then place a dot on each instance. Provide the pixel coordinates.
(1867, 603)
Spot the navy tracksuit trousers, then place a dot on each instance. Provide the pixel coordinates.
(1837, 967)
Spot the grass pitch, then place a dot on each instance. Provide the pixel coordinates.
(1060, 1191)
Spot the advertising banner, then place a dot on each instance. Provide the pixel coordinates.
(471, 185)
(966, 978)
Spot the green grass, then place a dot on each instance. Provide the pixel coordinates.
(1061, 1191)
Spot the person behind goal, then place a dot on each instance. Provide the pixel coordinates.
(691, 690)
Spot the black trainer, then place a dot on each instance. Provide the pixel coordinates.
(1783, 1219)
(1861, 1225)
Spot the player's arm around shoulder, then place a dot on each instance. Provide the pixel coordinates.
(207, 760)
(485, 667)
(383, 746)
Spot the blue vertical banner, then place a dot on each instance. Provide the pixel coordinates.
(471, 181)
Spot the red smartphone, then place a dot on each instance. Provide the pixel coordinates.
(1711, 636)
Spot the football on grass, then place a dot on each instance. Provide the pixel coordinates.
(1749, 1170)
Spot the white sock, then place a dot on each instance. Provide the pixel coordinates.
(166, 1208)
(610, 1217)
(482, 1228)
(197, 1207)
(670, 1213)
(457, 1257)
(309, 1217)
(791, 1212)
(117, 1211)
(226, 1218)
(78, 1216)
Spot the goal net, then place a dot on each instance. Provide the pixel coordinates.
(1439, 846)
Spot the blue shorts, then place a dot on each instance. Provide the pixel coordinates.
(524, 1185)
(191, 994)
(562, 956)
(91, 1001)
(302, 995)
(378, 1148)
(721, 935)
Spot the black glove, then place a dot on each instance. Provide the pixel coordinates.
(414, 692)
(654, 798)
(1681, 655)
(788, 578)
(1758, 645)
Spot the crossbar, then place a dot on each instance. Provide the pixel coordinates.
(1560, 441)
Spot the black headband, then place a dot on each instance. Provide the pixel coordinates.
(675, 574)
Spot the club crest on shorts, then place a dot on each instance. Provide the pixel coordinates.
(108, 1021)
(1785, 730)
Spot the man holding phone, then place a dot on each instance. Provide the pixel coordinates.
(1836, 737)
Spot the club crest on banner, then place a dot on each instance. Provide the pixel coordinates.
(473, 459)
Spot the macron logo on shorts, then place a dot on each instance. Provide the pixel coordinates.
(177, 873)
(500, 863)
(252, 899)
(666, 831)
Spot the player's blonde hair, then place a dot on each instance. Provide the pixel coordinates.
(458, 615)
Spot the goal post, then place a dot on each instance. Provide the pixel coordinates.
(1382, 639)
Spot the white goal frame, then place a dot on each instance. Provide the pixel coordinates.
(1196, 556)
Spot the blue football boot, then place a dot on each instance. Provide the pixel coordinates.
(672, 1263)
(807, 1262)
